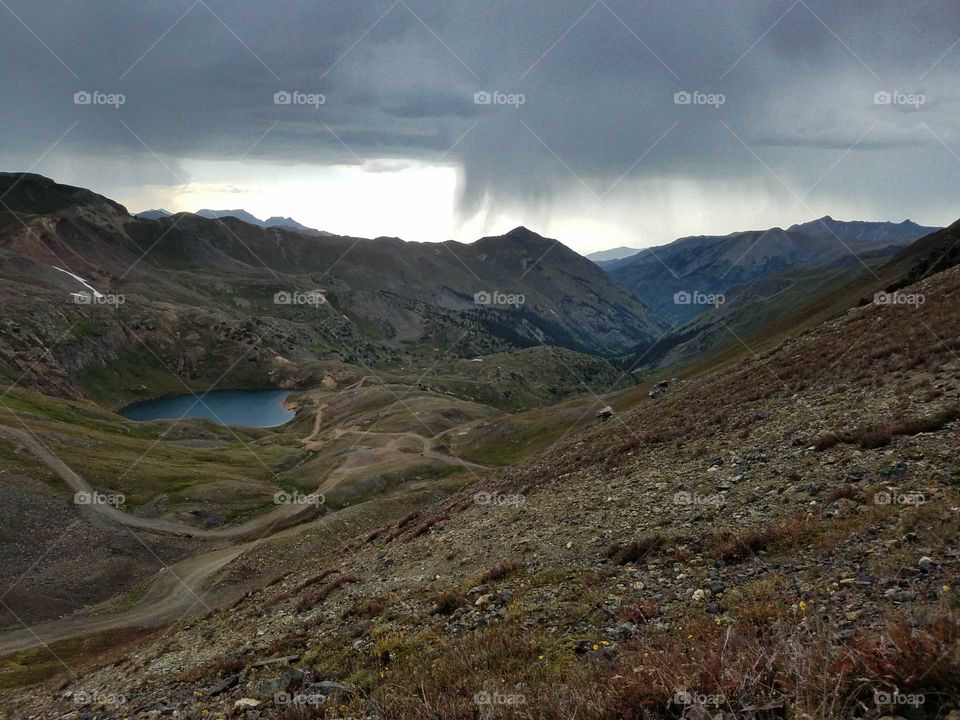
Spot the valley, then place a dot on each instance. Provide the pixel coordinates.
(448, 490)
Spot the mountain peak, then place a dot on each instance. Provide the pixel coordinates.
(29, 193)
(156, 214)
(242, 215)
(521, 232)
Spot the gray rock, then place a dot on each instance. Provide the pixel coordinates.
(900, 595)
(272, 686)
(224, 685)
(329, 688)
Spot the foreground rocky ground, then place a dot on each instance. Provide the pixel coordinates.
(775, 539)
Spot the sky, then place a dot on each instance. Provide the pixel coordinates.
(599, 123)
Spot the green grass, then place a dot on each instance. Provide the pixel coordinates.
(521, 438)
(33, 666)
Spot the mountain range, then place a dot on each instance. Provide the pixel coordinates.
(217, 281)
(285, 223)
(705, 266)
(383, 298)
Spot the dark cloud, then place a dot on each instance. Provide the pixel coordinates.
(597, 82)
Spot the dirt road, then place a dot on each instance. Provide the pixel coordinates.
(87, 502)
(177, 591)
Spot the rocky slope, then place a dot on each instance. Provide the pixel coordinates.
(773, 539)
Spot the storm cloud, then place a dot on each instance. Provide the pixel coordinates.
(617, 108)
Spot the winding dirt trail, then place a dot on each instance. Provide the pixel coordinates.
(390, 457)
(177, 591)
(283, 516)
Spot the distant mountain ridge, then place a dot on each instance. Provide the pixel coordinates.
(711, 264)
(276, 221)
(860, 230)
(617, 253)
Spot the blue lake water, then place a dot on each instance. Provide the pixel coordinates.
(250, 408)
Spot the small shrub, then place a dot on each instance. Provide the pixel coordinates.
(449, 602)
(296, 589)
(368, 608)
(848, 492)
(869, 438)
(827, 440)
(638, 612)
(734, 546)
(373, 535)
(877, 436)
(635, 550)
(317, 578)
(426, 526)
(760, 603)
(317, 597)
(500, 571)
(910, 660)
(401, 525)
(928, 423)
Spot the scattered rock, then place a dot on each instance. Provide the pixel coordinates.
(224, 685)
(330, 689)
(269, 688)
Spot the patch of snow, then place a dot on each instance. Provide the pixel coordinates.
(88, 286)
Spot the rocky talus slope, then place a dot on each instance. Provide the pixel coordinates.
(775, 539)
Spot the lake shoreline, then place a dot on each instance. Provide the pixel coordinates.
(257, 408)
